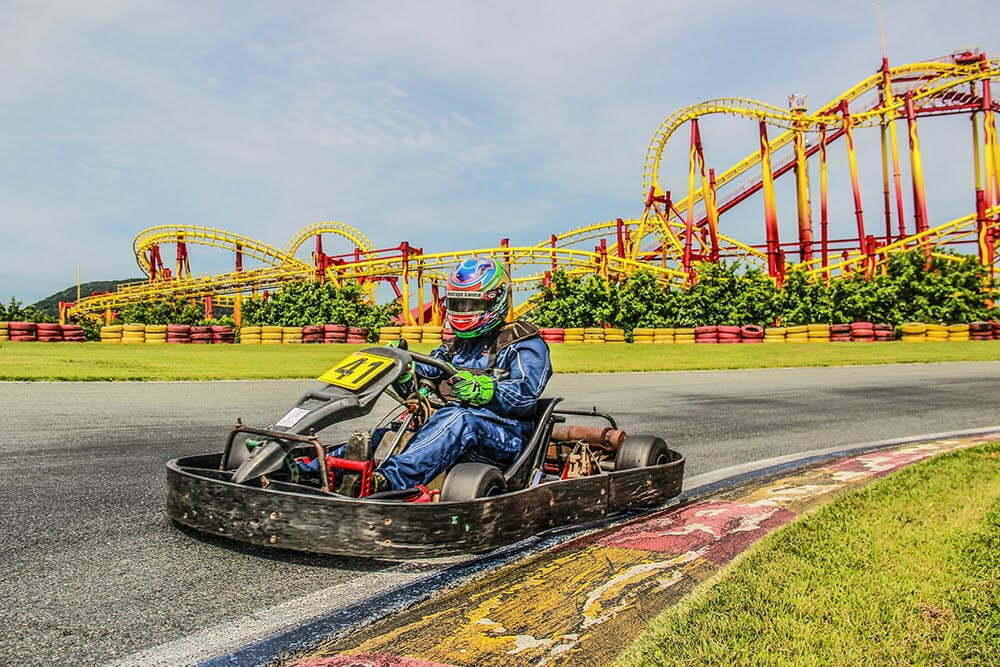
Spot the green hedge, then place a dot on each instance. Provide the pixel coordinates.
(306, 303)
(948, 291)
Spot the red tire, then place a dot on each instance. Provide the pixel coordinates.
(179, 328)
(312, 331)
(361, 332)
(862, 325)
(334, 328)
(21, 326)
(706, 330)
(50, 339)
(552, 331)
(885, 327)
(974, 327)
(356, 340)
(727, 337)
(201, 330)
(726, 329)
(752, 331)
(22, 338)
(840, 329)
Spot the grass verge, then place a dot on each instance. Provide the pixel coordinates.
(94, 361)
(902, 571)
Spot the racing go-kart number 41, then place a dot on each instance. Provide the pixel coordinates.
(283, 487)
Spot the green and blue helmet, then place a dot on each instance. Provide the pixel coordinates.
(478, 296)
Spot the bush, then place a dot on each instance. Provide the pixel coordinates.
(308, 302)
(951, 289)
(163, 311)
(15, 311)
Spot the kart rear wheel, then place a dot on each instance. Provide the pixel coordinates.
(467, 481)
(641, 451)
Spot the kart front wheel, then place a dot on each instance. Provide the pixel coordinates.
(641, 451)
(467, 481)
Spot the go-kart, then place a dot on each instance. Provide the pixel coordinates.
(282, 487)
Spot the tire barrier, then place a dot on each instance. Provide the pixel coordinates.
(776, 335)
(111, 334)
(593, 336)
(553, 335)
(914, 332)
(334, 333)
(73, 333)
(4, 332)
(980, 331)
(23, 332)
(573, 335)
(614, 335)
(133, 334)
(250, 335)
(644, 336)
(291, 335)
(388, 334)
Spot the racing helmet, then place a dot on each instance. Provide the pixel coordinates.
(478, 296)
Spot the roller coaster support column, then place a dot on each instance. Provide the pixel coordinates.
(689, 217)
(552, 242)
(916, 168)
(990, 154)
(619, 227)
(209, 310)
(889, 120)
(824, 220)
(984, 235)
(852, 163)
(708, 196)
(183, 261)
(797, 103)
(775, 264)
(238, 297)
(404, 249)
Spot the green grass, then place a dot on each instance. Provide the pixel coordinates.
(903, 571)
(95, 361)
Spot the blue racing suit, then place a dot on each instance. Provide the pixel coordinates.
(494, 433)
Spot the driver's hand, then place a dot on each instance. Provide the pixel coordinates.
(473, 389)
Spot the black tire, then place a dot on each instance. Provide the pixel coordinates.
(468, 481)
(641, 451)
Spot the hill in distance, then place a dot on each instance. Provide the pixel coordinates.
(50, 304)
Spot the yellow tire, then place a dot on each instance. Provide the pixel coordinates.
(938, 335)
(776, 331)
(683, 331)
(155, 336)
(663, 340)
(594, 330)
(643, 332)
(269, 329)
(409, 329)
(818, 328)
(112, 328)
(914, 328)
(250, 331)
(157, 341)
(430, 328)
(270, 341)
(270, 335)
(797, 329)
(134, 327)
(291, 330)
(937, 328)
(775, 340)
(955, 338)
(664, 331)
(684, 341)
(390, 330)
(156, 328)
(593, 341)
(958, 328)
(573, 332)
(819, 340)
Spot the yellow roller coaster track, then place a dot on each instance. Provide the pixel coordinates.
(677, 228)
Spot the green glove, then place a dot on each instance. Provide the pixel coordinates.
(473, 389)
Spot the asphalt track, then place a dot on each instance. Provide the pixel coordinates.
(93, 572)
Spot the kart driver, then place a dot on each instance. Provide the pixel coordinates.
(504, 368)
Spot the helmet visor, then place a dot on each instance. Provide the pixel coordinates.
(470, 302)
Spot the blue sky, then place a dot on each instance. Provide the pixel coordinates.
(446, 124)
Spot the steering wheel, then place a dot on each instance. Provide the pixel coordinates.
(447, 371)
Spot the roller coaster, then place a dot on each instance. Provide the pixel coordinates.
(674, 235)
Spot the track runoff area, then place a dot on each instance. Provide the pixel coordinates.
(85, 517)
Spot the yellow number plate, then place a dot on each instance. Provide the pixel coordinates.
(356, 371)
